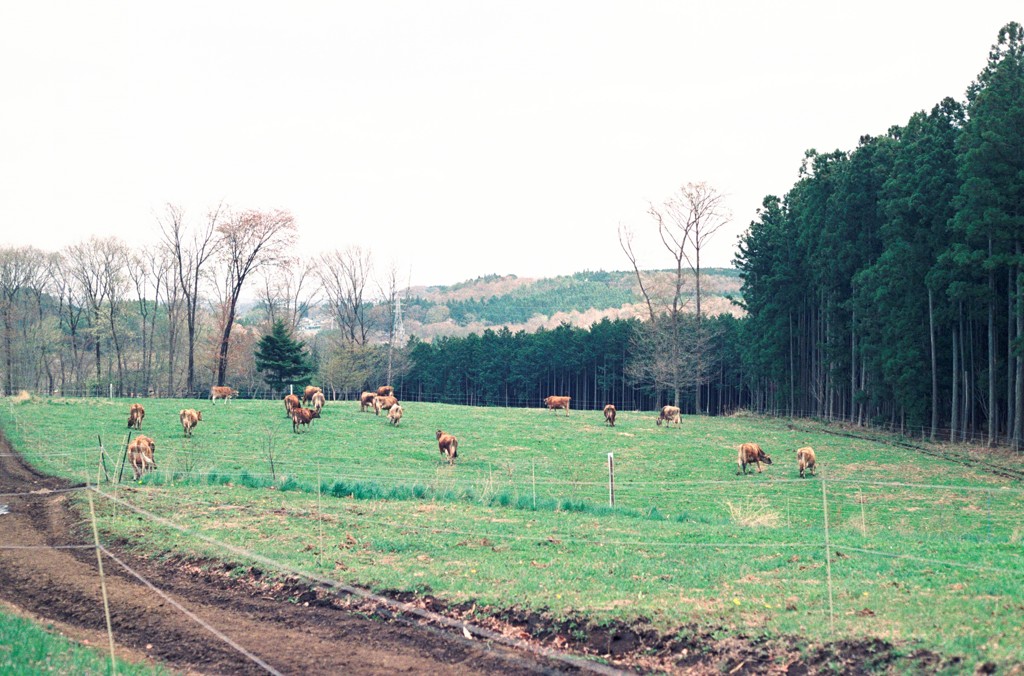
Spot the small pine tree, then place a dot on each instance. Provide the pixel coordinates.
(282, 359)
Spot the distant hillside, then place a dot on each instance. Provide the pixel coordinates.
(530, 304)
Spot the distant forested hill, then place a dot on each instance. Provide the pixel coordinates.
(529, 304)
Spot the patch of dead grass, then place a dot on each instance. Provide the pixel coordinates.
(753, 514)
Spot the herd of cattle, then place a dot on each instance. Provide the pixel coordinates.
(142, 449)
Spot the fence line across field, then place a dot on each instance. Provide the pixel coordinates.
(192, 616)
(397, 606)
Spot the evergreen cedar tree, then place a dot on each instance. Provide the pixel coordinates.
(282, 359)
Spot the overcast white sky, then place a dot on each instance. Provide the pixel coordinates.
(456, 139)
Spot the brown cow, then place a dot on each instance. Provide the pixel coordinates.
(135, 415)
(609, 414)
(751, 454)
(303, 416)
(366, 400)
(140, 455)
(395, 414)
(189, 419)
(385, 391)
(448, 445)
(307, 394)
(383, 403)
(291, 402)
(669, 414)
(805, 459)
(224, 393)
(554, 403)
(318, 401)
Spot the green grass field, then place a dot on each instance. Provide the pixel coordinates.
(26, 648)
(924, 552)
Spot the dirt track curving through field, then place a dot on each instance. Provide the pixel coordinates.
(58, 585)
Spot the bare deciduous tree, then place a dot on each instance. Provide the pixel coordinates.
(289, 291)
(248, 241)
(190, 253)
(686, 221)
(21, 270)
(98, 267)
(345, 275)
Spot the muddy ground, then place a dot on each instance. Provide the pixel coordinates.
(298, 629)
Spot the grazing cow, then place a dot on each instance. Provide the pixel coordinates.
(307, 394)
(189, 419)
(318, 401)
(395, 414)
(805, 459)
(448, 445)
(609, 414)
(135, 415)
(303, 416)
(383, 403)
(751, 454)
(291, 402)
(140, 455)
(366, 400)
(224, 393)
(669, 414)
(554, 403)
(385, 391)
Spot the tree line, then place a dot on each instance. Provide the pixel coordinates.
(103, 317)
(886, 285)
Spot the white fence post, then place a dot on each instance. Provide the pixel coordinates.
(611, 480)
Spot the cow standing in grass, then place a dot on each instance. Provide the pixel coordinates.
(318, 401)
(307, 394)
(383, 403)
(555, 402)
(670, 414)
(135, 415)
(189, 419)
(751, 454)
(291, 402)
(395, 415)
(609, 414)
(366, 401)
(448, 445)
(140, 455)
(805, 460)
(224, 393)
(303, 416)
(385, 391)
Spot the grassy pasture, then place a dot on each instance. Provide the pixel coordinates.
(28, 648)
(923, 552)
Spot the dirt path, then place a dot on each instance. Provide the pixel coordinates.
(62, 586)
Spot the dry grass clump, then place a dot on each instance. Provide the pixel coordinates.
(753, 514)
(21, 397)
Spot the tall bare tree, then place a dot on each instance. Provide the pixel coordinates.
(345, 276)
(660, 351)
(21, 270)
(248, 241)
(98, 267)
(289, 291)
(191, 250)
(686, 222)
(70, 308)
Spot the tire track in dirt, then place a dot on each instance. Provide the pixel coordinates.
(62, 586)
